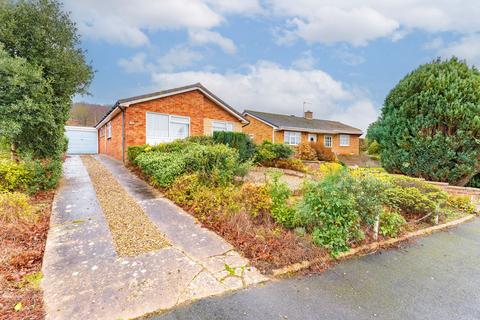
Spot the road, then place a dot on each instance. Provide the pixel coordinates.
(437, 277)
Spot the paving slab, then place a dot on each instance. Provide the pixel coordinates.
(85, 279)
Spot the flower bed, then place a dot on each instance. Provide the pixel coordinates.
(338, 210)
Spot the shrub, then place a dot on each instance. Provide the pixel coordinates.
(409, 200)
(134, 151)
(374, 148)
(460, 203)
(305, 152)
(205, 140)
(256, 199)
(323, 153)
(236, 140)
(291, 164)
(329, 168)
(475, 181)
(163, 168)
(281, 211)
(369, 193)
(391, 223)
(328, 207)
(268, 151)
(205, 200)
(14, 176)
(45, 174)
(429, 125)
(14, 206)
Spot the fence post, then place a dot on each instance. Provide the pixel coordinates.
(376, 226)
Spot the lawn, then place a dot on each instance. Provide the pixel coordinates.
(333, 210)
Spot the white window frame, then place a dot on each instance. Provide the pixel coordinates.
(109, 130)
(314, 135)
(343, 143)
(228, 126)
(329, 139)
(292, 138)
(170, 121)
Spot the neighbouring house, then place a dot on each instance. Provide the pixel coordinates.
(163, 117)
(292, 130)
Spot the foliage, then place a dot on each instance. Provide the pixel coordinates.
(45, 174)
(460, 203)
(373, 148)
(236, 140)
(281, 210)
(323, 153)
(391, 223)
(14, 176)
(134, 151)
(268, 151)
(165, 162)
(327, 168)
(305, 152)
(290, 163)
(409, 200)
(41, 69)
(430, 123)
(163, 168)
(206, 140)
(475, 181)
(370, 197)
(206, 200)
(14, 206)
(256, 199)
(328, 207)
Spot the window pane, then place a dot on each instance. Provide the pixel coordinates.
(344, 140)
(328, 141)
(222, 126)
(178, 131)
(178, 119)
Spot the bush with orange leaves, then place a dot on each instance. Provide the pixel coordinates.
(323, 153)
(305, 152)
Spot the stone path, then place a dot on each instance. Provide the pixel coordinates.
(85, 279)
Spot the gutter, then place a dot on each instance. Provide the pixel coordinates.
(123, 133)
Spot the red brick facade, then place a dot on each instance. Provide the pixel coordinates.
(260, 131)
(193, 104)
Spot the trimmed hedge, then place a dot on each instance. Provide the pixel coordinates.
(236, 140)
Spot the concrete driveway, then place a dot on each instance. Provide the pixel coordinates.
(438, 277)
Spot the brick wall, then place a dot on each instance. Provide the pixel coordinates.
(191, 104)
(473, 193)
(258, 130)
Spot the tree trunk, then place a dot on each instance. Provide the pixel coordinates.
(13, 152)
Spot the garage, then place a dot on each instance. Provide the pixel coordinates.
(81, 140)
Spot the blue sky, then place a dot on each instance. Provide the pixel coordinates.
(342, 57)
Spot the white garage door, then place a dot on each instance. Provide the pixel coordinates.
(81, 140)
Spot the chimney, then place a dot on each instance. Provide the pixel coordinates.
(308, 114)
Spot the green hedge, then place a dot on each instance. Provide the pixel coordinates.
(236, 140)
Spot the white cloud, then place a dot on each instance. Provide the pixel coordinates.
(270, 87)
(178, 57)
(306, 62)
(348, 57)
(203, 37)
(467, 48)
(358, 22)
(136, 64)
(174, 59)
(128, 22)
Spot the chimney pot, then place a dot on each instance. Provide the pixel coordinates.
(308, 115)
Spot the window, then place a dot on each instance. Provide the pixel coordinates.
(102, 131)
(344, 140)
(292, 138)
(312, 137)
(327, 141)
(166, 128)
(222, 126)
(109, 130)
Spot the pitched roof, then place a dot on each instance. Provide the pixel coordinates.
(286, 122)
(126, 102)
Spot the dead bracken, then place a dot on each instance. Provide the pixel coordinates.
(132, 231)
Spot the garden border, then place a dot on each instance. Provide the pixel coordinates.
(372, 247)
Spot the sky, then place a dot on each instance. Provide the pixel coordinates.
(338, 59)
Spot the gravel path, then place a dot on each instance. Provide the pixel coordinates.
(132, 231)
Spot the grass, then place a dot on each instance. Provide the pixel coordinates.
(132, 230)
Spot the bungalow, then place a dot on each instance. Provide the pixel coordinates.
(292, 130)
(164, 116)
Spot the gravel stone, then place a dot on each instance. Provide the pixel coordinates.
(132, 231)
